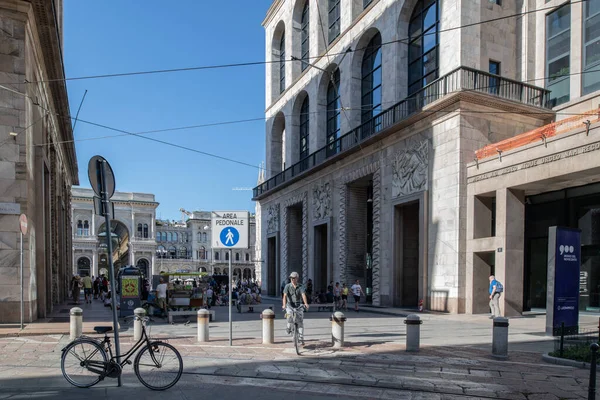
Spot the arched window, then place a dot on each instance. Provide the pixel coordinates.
(202, 253)
(423, 45)
(172, 252)
(182, 252)
(237, 256)
(204, 237)
(139, 230)
(79, 228)
(305, 37)
(247, 257)
(304, 129)
(216, 255)
(86, 228)
(161, 252)
(371, 85)
(146, 231)
(282, 63)
(169, 237)
(333, 112)
(334, 19)
(164, 236)
(199, 237)
(174, 236)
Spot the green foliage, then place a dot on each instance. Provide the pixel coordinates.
(579, 352)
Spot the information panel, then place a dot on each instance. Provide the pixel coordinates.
(564, 263)
(230, 229)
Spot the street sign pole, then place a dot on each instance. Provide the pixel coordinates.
(23, 228)
(230, 299)
(111, 272)
(21, 269)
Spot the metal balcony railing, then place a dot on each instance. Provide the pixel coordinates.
(460, 79)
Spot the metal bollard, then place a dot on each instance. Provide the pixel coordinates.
(203, 319)
(137, 323)
(500, 338)
(337, 329)
(592, 385)
(268, 318)
(76, 325)
(413, 332)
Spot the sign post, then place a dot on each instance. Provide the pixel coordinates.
(230, 230)
(564, 263)
(23, 225)
(102, 180)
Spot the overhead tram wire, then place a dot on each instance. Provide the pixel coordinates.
(253, 63)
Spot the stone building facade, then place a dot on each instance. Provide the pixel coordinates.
(151, 244)
(38, 164)
(375, 111)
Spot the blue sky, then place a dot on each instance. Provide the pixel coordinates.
(115, 36)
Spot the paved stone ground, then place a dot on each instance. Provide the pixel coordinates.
(31, 366)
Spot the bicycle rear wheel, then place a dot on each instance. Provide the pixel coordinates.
(77, 359)
(158, 366)
(296, 339)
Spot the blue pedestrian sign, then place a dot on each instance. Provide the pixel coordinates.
(230, 229)
(229, 236)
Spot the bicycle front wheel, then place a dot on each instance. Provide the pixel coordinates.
(158, 366)
(82, 362)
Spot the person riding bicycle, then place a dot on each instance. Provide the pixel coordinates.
(293, 297)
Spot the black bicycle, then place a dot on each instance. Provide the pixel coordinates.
(293, 318)
(85, 362)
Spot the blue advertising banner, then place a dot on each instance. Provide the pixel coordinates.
(566, 280)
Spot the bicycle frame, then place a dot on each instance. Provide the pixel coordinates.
(105, 343)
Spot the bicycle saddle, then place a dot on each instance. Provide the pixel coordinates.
(102, 329)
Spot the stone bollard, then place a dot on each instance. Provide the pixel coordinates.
(137, 323)
(337, 329)
(268, 317)
(203, 319)
(76, 326)
(500, 338)
(413, 332)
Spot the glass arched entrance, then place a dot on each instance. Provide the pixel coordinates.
(120, 246)
(142, 264)
(83, 266)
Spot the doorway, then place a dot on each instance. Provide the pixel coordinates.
(272, 266)
(406, 260)
(321, 258)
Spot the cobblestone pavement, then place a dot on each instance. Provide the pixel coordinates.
(30, 367)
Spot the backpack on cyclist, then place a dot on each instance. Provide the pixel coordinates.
(499, 287)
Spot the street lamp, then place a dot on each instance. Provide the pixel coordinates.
(161, 253)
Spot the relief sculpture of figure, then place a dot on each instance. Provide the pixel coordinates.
(410, 170)
(273, 218)
(321, 201)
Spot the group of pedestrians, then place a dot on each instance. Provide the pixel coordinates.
(92, 288)
(336, 294)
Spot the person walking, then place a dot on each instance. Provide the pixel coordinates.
(495, 290)
(161, 296)
(356, 291)
(87, 288)
(76, 288)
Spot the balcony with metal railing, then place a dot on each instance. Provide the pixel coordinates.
(462, 79)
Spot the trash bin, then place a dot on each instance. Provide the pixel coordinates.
(130, 285)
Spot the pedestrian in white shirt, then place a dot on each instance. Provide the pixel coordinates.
(161, 296)
(356, 291)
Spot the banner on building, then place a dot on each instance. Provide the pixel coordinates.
(564, 264)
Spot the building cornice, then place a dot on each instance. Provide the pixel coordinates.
(125, 202)
(272, 11)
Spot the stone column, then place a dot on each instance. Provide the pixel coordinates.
(510, 232)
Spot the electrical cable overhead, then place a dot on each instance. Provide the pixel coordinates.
(253, 63)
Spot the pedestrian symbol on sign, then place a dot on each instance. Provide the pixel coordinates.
(229, 236)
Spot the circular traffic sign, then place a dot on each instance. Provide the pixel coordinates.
(229, 236)
(95, 174)
(23, 224)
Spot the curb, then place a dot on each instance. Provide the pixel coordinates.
(563, 361)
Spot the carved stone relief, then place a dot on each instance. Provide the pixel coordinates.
(410, 169)
(322, 201)
(273, 218)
